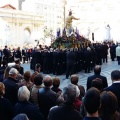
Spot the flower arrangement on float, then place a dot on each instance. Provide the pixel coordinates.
(71, 40)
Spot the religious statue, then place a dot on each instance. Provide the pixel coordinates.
(108, 34)
(69, 20)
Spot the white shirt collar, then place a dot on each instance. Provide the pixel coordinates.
(116, 82)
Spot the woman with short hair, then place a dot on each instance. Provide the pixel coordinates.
(26, 107)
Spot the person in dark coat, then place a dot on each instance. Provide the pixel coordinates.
(21, 69)
(46, 97)
(88, 59)
(6, 54)
(18, 54)
(51, 60)
(97, 71)
(76, 60)
(59, 62)
(1, 54)
(105, 52)
(37, 58)
(113, 51)
(70, 63)
(6, 108)
(2, 70)
(46, 56)
(115, 87)
(11, 86)
(98, 49)
(26, 107)
(67, 110)
(80, 60)
(55, 61)
(23, 55)
(63, 61)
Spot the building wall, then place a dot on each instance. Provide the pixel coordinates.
(96, 14)
(52, 11)
(16, 22)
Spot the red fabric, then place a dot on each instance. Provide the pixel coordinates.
(77, 103)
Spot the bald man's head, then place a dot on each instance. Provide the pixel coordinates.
(48, 81)
(97, 69)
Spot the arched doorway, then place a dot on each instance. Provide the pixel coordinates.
(27, 35)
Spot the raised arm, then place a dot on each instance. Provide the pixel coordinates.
(75, 18)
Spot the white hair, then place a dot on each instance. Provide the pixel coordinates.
(23, 93)
(48, 77)
(13, 71)
(70, 93)
(77, 92)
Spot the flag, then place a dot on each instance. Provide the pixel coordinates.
(64, 31)
(58, 33)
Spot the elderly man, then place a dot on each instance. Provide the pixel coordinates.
(11, 86)
(97, 71)
(46, 97)
(66, 111)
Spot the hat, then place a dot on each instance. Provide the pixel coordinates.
(13, 71)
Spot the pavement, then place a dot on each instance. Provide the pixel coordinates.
(106, 69)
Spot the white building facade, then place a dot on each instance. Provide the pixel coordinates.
(18, 28)
(51, 10)
(94, 16)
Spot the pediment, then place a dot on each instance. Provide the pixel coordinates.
(9, 6)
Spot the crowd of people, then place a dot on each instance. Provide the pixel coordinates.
(32, 96)
(59, 61)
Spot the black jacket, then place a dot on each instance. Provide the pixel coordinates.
(115, 88)
(91, 78)
(71, 58)
(46, 99)
(29, 109)
(6, 109)
(11, 89)
(64, 112)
